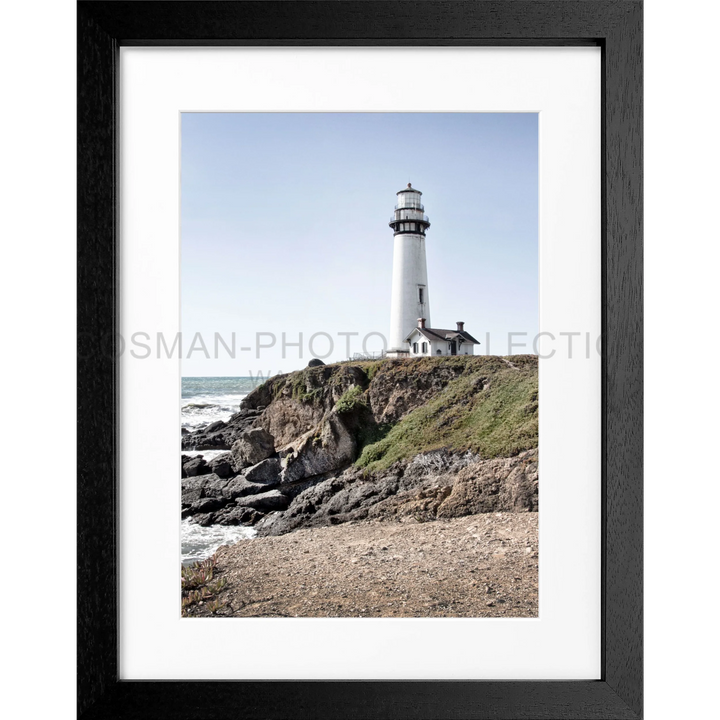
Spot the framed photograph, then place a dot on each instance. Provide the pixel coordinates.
(360, 359)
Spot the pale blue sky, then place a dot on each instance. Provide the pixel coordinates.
(285, 228)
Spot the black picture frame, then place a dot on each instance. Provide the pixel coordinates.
(613, 25)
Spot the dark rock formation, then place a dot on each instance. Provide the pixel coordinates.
(240, 486)
(252, 447)
(266, 472)
(437, 485)
(238, 515)
(270, 500)
(222, 465)
(331, 447)
(221, 435)
(502, 485)
(192, 466)
(315, 362)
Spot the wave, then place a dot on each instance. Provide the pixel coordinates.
(202, 410)
(207, 455)
(198, 543)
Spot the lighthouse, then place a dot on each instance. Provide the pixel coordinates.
(410, 298)
(411, 332)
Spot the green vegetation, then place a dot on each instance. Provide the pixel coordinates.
(276, 388)
(372, 367)
(300, 386)
(351, 399)
(491, 409)
(198, 587)
(371, 432)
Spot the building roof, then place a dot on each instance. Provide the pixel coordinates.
(409, 188)
(440, 334)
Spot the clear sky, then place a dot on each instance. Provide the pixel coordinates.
(284, 229)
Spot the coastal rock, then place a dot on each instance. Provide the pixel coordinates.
(295, 404)
(207, 505)
(341, 496)
(189, 498)
(266, 472)
(508, 484)
(252, 447)
(240, 487)
(237, 515)
(195, 483)
(206, 440)
(222, 465)
(271, 500)
(208, 499)
(195, 466)
(330, 447)
(215, 486)
(203, 519)
(316, 362)
(436, 485)
(209, 485)
(287, 420)
(220, 435)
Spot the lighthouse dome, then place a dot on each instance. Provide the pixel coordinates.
(409, 189)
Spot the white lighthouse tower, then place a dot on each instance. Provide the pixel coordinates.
(410, 298)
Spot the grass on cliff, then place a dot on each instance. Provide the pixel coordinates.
(352, 399)
(492, 414)
(301, 385)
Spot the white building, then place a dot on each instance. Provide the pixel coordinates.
(423, 340)
(410, 300)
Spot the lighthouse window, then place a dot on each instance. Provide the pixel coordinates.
(421, 295)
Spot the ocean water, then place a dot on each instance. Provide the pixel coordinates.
(205, 400)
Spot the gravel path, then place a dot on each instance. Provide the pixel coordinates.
(476, 566)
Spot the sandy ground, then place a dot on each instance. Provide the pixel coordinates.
(475, 566)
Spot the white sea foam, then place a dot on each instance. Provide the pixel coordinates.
(200, 410)
(207, 455)
(200, 542)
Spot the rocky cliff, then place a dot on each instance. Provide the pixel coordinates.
(427, 438)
